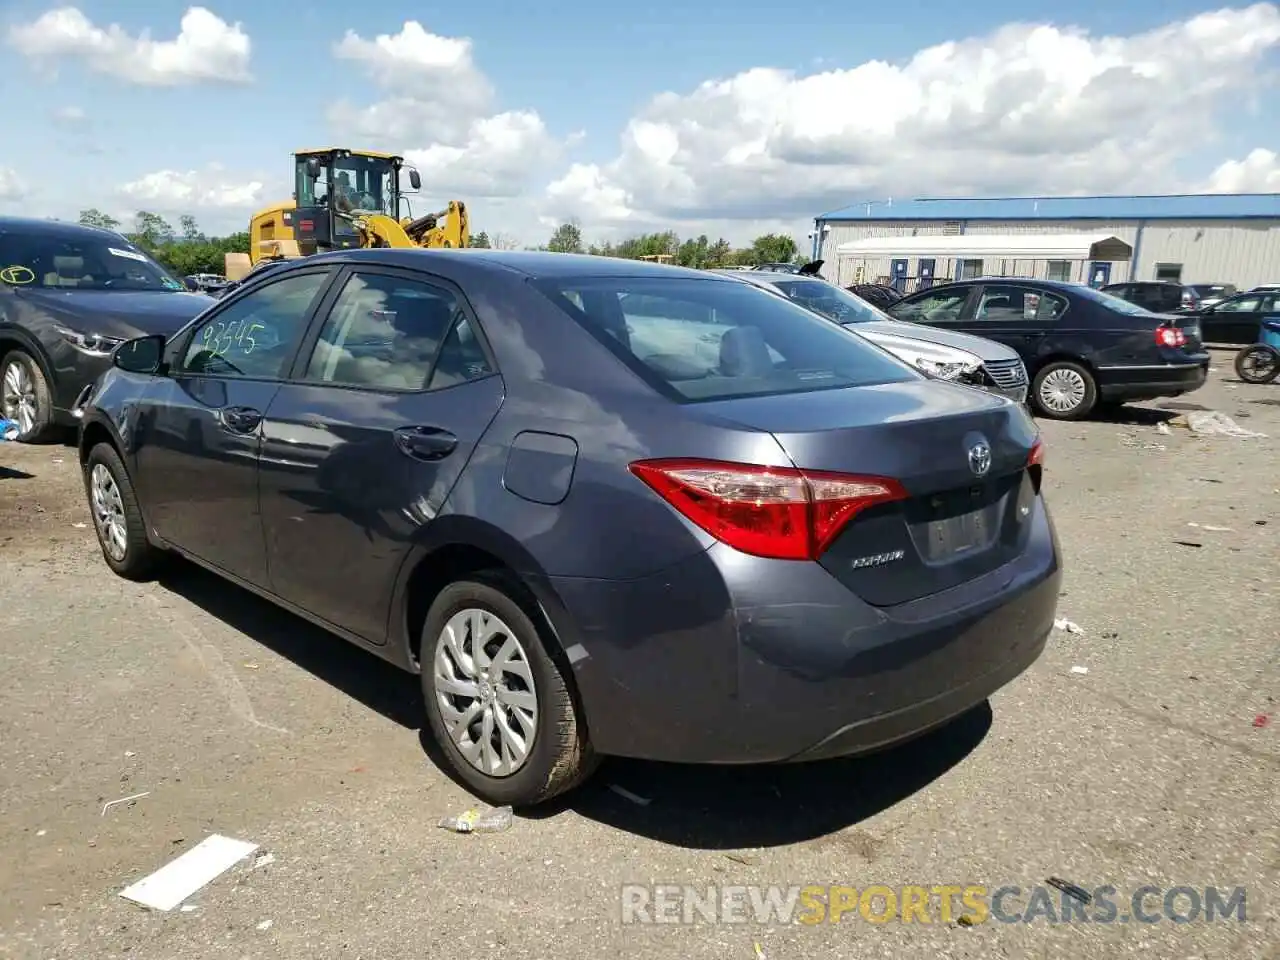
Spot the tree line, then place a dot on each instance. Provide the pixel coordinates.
(184, 249)
(698, 252)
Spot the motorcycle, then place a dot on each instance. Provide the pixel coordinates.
(1260, 362)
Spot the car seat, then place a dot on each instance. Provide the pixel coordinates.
(744, 353)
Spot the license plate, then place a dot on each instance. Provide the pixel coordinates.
(960, 534)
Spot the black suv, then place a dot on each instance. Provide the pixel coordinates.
(1080, 346)
(1158, 296)
(69, 295)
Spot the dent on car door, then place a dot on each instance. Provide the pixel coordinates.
(197, 460)
(387, 400)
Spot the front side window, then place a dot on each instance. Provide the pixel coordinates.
(830, 301)
(88, 262)
(1241, 305)
(256, 336)
(385, 332)
(940, 307)
(695, 339)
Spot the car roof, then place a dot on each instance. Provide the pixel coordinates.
(34, 227)
(1064, 285)
(536, 264)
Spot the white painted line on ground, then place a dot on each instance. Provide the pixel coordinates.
(180, 878)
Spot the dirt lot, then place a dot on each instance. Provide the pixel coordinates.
(1158, 766)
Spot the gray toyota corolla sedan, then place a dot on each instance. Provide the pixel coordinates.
(948, 354)
(601, 506)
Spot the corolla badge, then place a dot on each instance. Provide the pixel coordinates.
(980, 458)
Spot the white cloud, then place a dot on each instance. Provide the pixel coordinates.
(206, 50)
(1259, 172)
(441, 114)
(194, 191)
(70, 116)
(12, 186)
(1027, 108)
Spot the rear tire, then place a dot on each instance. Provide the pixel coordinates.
(1258, 363)
(1062, 390)
(25, 398)
(482, 709)
(117, 519)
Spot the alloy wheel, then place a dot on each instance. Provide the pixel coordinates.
(18, 394)
(108, 512)
(484, 689)
(1062, 390)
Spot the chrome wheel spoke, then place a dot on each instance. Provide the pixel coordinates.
(483, 685)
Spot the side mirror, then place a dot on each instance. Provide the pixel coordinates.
(313, 167)
(191, 285)
(415, 180)
(141, 354)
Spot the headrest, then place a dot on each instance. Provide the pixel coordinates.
(744, 353)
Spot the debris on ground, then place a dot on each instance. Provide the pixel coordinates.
(1071, 890)
(1211, 423)
(1080, 670)
(1188, 543)
(1162, 428)
(1135, 443)
(263, 860)
(966, 920)
(1261, 720)
(1210, 527)
(628, 795)
(114, 803)
(179, 879)
(743, 859)
(494, 820)
(265, 925)
(1067, 626)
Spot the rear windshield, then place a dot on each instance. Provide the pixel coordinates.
(1110, 301)
(830, 301)
(75, 262)
(695, 339)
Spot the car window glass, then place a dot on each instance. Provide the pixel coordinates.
(936, 307)
(1241, 305)
(461, 358)
(830, 301)
(256, 335)
(699, 339)
(382, 332)
(1271, 303)
(1000, 303)
(73, 261)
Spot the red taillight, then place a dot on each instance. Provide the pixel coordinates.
(1170, 337)
(776, 512)
(1036, 457)
(306, 226)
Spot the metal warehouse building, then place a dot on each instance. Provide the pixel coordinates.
(1215, 238)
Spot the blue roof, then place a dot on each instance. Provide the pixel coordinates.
(1217, 206)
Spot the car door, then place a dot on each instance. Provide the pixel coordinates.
(1236, 320)
(939, 307)
(197, 463)
(386, 402)
(1015, 315)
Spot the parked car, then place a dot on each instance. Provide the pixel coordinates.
(1210, 294)
(1158, 296)
(601, 506)
(210, 283)
(940, 353)
(879, 295)
(1082, 347)
(69, 294)
(1238, 320)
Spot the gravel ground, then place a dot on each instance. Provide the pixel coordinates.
(1154, 767)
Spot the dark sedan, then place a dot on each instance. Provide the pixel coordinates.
(600, 506)
(1081, 347)
(1237, 320)
(70, 294)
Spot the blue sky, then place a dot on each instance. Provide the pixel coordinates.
(1097, 104)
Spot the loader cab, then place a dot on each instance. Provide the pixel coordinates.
(332, 185)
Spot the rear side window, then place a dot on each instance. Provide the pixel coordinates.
(1010, 304)
(694, 339)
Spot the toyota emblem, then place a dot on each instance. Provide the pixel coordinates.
(980, 459)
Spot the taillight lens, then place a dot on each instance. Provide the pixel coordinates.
(775, 512)
(1036, 457)
(1170, 337)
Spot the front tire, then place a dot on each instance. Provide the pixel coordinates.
(25, 398)
(117, 519)
(496, 703)
(1062, 390)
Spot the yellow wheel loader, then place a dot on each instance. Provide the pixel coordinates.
(345, 199)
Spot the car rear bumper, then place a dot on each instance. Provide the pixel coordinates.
(734, 659)
(1154, 380)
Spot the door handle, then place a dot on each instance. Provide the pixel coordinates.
(240, 419)
(425, 443)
